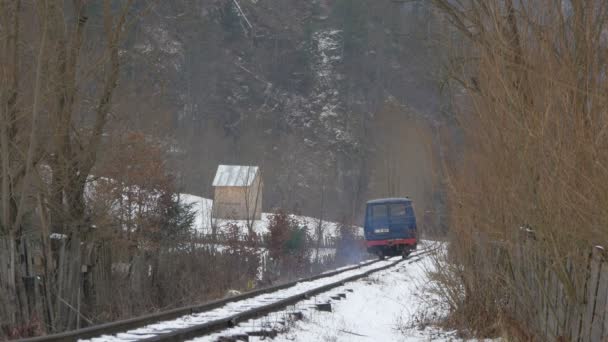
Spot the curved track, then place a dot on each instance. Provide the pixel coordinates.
(194, 321)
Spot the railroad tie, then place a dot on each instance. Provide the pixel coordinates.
(233, 338)
(272, 333)
(324, 307)
(297, 315)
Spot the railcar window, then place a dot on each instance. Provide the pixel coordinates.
(379, 211)
(397, 209)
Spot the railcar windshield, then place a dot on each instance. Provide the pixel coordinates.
(379, 211)
(395, 212)
(397, 209)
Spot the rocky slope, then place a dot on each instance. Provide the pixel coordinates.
(297, 87)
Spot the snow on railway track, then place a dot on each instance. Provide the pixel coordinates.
(281, 321)
(230, 313)
(226, 313)
(240, 311)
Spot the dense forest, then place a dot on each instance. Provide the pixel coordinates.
(112, 109)
(489, 114)
(305, 91)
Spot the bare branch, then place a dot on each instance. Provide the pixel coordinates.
(33, 139)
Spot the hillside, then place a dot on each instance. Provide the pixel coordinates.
(304, 91)
(490, 116)
(112, 109)
(203, 208)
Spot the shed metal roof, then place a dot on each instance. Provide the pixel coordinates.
(235, 175)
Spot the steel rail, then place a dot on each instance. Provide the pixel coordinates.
(136, 322)
(233, 320)
(221, 323)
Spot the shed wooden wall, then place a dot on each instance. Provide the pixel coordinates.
(238, 202)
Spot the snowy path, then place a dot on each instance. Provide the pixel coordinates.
(386, 306)
(233, 308)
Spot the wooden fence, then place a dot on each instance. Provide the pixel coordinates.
(224, 238)
(562, 300)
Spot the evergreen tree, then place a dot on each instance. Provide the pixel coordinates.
(175, 220)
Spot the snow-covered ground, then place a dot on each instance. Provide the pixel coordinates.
(234, 308)
(203, 209)
(203, 221)
(387, 306)
(391, 305)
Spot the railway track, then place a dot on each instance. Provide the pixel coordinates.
(199, 320)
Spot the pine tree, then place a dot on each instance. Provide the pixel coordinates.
(175, 220)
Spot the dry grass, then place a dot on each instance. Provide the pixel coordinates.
(536, 153)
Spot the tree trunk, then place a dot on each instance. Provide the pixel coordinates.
(8, 300)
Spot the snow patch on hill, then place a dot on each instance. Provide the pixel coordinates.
(203, 207)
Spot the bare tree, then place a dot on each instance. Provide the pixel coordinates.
(532, 108)
(13, 165)
(41, 139)
(74, 150)
(402, 156)
(320, 226)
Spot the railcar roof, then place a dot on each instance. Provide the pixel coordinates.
(389, 200)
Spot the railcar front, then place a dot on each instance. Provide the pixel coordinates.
(390, 227)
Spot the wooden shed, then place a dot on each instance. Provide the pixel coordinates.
(237, 192)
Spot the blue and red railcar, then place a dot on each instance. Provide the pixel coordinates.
(390, 227)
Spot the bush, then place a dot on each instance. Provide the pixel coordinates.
(175, 220)
(288, 246)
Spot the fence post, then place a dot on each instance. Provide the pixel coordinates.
(562, 305)
(536, 282)
(598, 332)
(572, 317)
(591, 293)
(605, 329)
(552, 304)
